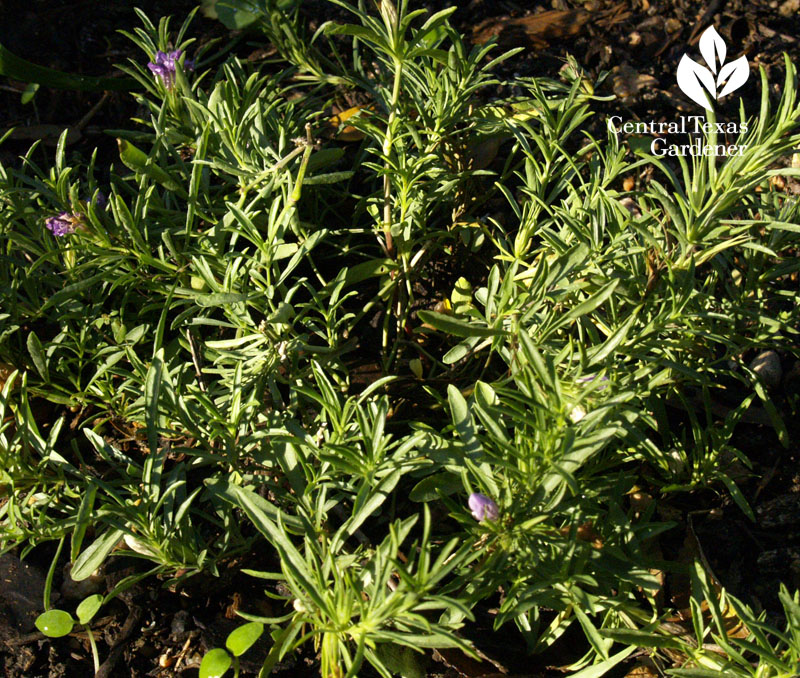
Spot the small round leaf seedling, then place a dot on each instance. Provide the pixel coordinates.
(215, 664)
(88, 608)
(241, 640)
(55, 623)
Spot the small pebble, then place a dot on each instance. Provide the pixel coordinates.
(767, 365)
(672, 25)
(178, 625)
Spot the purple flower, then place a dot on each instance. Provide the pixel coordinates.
(482, 507)
(64, 224)
(164, 66)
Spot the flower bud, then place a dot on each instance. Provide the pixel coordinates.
(482, 507)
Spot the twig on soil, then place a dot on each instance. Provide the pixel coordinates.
(713, 7)
(35, 636)
(92, 111)
(766, 479)
(184, 649)
(107, 667)
(24, 640)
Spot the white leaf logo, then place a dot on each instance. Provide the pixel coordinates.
(712, 46)
(690, 76)
(698, 82)
(736, 73)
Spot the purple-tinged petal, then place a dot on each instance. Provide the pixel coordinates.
(163, 72)
(63, 224)
(482, 507)
(166, 64)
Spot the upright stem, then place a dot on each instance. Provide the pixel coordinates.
(95, 656)
(387, 148)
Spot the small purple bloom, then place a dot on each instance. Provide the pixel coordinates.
(64, 224)
(165, 64)
(482, 507)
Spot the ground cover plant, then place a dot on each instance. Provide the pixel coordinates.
(416, 364)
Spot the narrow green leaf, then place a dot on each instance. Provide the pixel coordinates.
(456, 326)
(609, 345)
(330, 178)
(219, 298)
(366, 269)
(594, 638)
(82, 520)
(152, 388)
(639, 638)
(291, 559)
(15, 67)
(94, 555)
(462, 419)
(604, 667)
(37, 355)
(738, 497)
(591, 303)
(374, 497)
(138, 161)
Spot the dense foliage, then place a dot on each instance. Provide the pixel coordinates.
(184, 337)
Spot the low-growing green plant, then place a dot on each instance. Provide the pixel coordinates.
(726, 637)
(216, 662)
(184, 337)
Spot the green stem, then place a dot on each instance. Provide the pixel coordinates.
(274, 168)
(387, 148)
(95, 656)
(275, 653)
(48, 584)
